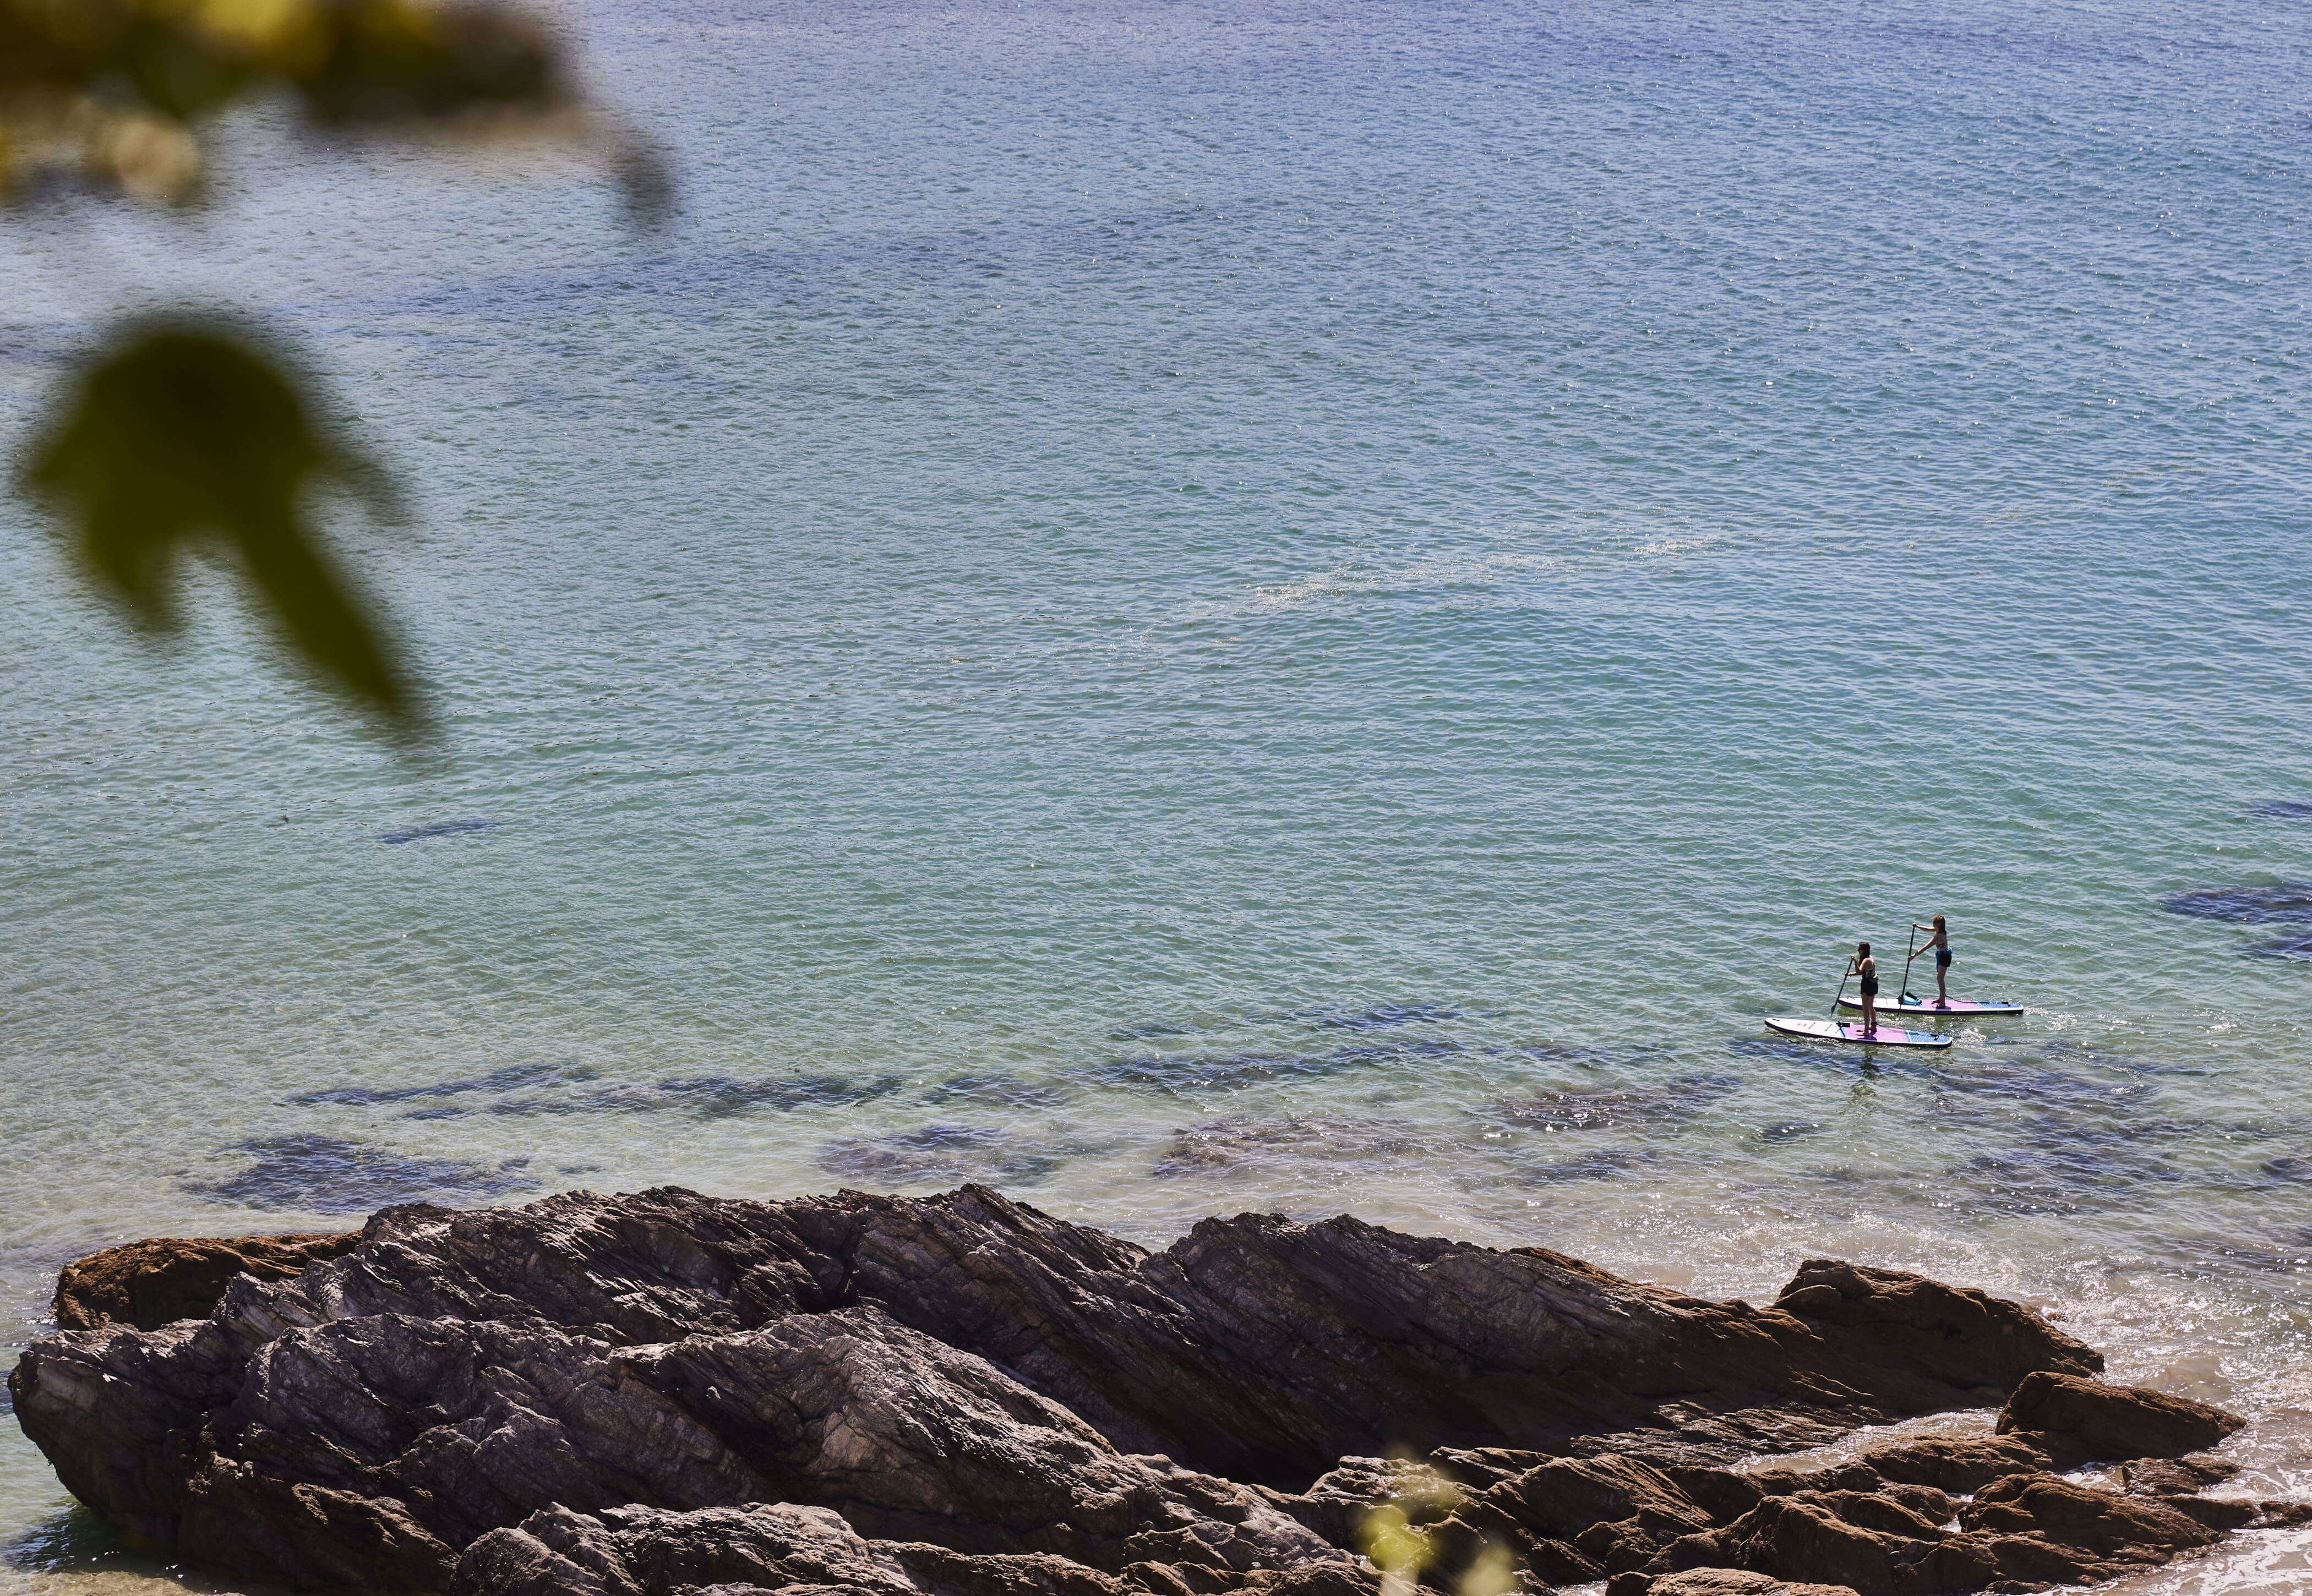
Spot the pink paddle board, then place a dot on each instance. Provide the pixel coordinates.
(1885, 1035)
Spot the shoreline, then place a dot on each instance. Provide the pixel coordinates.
(686, 1256)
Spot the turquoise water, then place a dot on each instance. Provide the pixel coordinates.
(1183, 607)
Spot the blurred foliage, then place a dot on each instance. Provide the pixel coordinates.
(1492, 1572)
(193, 434)
(1393, 1544)
(116, 91)
(185, 438)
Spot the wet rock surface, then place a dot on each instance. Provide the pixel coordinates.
(961, 1396)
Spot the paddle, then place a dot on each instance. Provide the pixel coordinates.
(1908, 995)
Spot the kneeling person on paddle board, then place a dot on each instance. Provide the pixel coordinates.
(1867, 967)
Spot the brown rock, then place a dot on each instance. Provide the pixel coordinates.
(2127, 1529)
(1958, 1466)
(1716, 1581)
(642, 1551)
(2083, 1421)
(2173, 1476)
(1917, 1322)
(1802, 1538)
(1315, 1579)
(1722, 1493)
(146, 1284)
(1478, 1467)
(1337, 1505)
(1874, 1510)
(662, 1388)
(1565, 1498)
(2020, 1531)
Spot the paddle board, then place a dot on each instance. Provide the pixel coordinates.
(1839, 1031)
(1928, 1009)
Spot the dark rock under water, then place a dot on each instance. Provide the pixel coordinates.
(664, 1393)
(440, 828)
(327, 1174)
(2285, 903)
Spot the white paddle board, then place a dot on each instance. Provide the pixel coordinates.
(1928, 1008)
(1840, 1030)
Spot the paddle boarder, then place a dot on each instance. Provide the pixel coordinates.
(1940, 943)
(1867, 967)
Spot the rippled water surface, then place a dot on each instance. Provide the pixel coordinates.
(1187, 606)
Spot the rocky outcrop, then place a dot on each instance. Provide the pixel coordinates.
(960, 1396)
(1873, 1524)
(2084, 1421)
(146, 1284)
(643, 1551)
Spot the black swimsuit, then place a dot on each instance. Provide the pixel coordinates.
(1870, 986)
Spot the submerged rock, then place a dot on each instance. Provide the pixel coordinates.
(2245, 905)
(327, 1174)
(961, 1396)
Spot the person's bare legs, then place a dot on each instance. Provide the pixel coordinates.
(1943, 987)
(1869, 1014)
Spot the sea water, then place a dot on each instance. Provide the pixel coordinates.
(1183, 607)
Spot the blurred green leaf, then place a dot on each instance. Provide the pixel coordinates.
(192, 436)
(189, 435)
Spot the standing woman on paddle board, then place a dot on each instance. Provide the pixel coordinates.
(1867, 967)
(1940, 943)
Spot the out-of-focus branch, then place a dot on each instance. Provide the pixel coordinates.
(116, 93)
(185, 438)
(194, 435)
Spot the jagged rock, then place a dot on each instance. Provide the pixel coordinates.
(457, 1427)
(2083, 1421)
(1715, 1582)
(1957, 1465)
(2019, 1530)
(146, 1284)
(2173, 1476)
(1800, 1536)
(960, 1396)
(2176, 1482)
(1782, 1480)
(2127, 1529)
(1723, 1494)
(1337, 1503)
(1614, 1512)
(1917, 1324)
(642, 1551)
